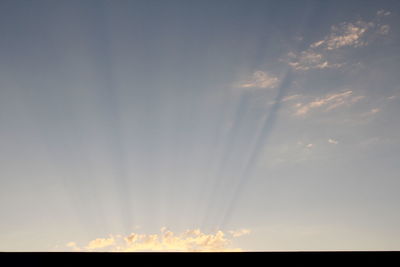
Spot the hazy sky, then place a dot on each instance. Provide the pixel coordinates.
(200, 125)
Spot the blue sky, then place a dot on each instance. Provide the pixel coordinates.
(261, 125)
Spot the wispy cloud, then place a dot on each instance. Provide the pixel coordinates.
(371, 112)
(190, 240)
(291, 97)
(327, 102)
(320, 54)
(382, 13)
(310, 59)
(345, 34)
(260, 79)
(237, 233)
(333, 141)
(384, 29)
(374, 110)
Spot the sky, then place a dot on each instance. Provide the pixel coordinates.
(178, 125)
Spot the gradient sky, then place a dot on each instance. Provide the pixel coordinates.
(274, 122)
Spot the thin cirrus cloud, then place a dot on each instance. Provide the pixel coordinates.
(260, 79)
(327, 103)
(188, 241)
(321, 54)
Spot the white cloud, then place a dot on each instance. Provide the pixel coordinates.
(332, 141)
(260, 79)
(190, 240)
(382, 13)
(328, 102)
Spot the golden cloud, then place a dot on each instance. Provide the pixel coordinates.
(188, 241)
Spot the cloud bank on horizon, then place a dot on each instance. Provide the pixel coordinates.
(167, 241)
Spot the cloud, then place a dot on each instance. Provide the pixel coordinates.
(237, 233)
(371, 112)
(356, 98)
(384, 29)
(73, 246)
(351, 34)
(290, 97)
(309, 146)
(260, 79)
(382, 13)
(328, 102)
(188, 241)
(310, 59)
(332, 141)
(322, 53)
(100, 243)
(345, 34)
